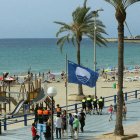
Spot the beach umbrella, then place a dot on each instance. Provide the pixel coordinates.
(1, 78)
(9, 79)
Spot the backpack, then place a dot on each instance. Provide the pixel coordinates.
(71, 121)
(80, 117)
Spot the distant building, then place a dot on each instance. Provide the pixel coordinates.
(137, 37)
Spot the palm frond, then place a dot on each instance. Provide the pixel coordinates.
(79, 14)
(61, 42)
(85, 2)
(123, 3)
(61, 30)
(101, 41)
(73, 40)
(112, 2)
(127, 3)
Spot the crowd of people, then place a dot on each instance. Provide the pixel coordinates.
(76, 121)
(62, 119)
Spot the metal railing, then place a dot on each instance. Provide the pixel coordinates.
(71, 108)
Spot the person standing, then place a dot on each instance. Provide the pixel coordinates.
(34, 132)
(124, 111)
(110, 111)
(64, 122)
(84, 104)
(76, 127)
(35, 112)
(101, 105)
(82, 117)
(47, 134)
(58, 126)
(89, 104)
(95, 100)
(71, 119)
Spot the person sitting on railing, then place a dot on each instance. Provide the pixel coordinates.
(45, 114)
(40, 115)
(58, 109)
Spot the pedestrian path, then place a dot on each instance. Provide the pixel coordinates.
(95, 125)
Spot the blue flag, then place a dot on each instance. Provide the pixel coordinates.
(81, 75)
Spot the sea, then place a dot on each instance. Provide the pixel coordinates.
(18, 56)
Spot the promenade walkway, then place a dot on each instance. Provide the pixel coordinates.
(95, 125)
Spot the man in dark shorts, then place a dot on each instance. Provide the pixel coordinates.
(95, 101)
(89, 104)
(101, 105)
(84, 104)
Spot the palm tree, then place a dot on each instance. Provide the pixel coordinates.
(82, 25)
(120, 6)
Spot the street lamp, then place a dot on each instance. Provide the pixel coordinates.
(52, 92)
(95, 14)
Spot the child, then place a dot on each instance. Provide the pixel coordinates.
(110, 111)
(76, 127)
(124, 111)
(34, 132)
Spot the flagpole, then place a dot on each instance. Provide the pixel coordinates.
(67, 94)
(95, 50)
(95, 13)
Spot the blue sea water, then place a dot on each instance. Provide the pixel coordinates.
(42, 55)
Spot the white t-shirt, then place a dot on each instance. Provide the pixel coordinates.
(58, 122)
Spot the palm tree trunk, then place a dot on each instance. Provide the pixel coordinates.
(80, 88)
(119, 127)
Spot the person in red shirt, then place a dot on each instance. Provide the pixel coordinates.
(110, 111)
(34, 132)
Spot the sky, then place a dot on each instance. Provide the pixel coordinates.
(35, 18)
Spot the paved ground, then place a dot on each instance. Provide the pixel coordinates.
(95, 125)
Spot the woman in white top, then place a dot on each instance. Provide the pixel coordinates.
(58, 126)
